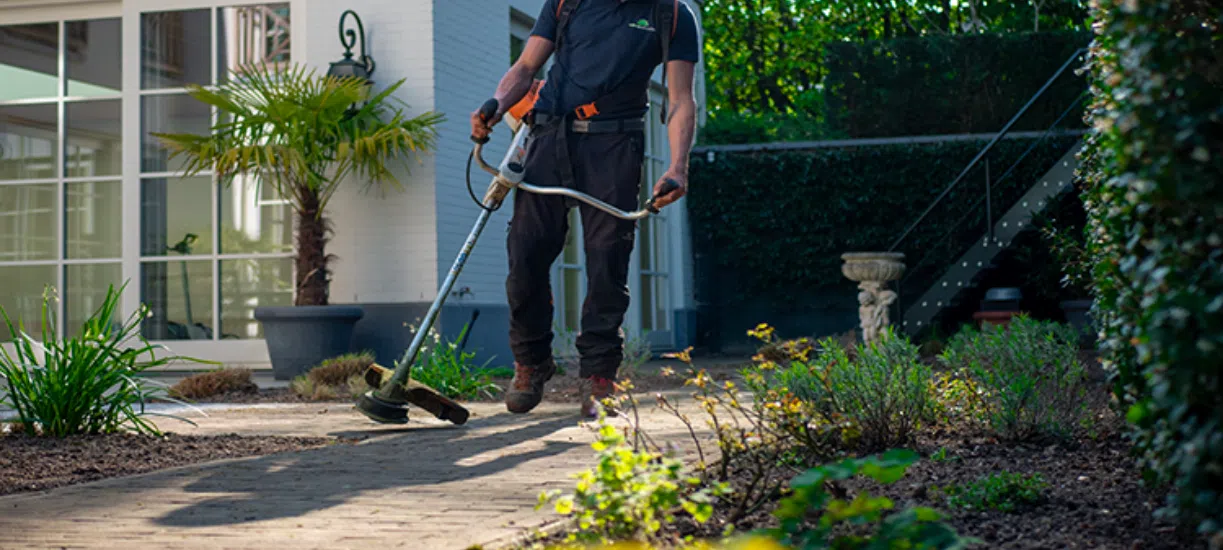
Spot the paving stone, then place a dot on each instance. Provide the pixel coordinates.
(427, 485)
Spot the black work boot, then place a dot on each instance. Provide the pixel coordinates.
(527, 388)
(597, 389)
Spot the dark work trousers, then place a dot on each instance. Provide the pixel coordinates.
(608, 167)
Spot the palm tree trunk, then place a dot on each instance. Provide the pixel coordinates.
(313, 275)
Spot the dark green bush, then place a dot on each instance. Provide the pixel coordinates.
(770, 226)
(949, 84)
(1029, 374)
(1154, 193)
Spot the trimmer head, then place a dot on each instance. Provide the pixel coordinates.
(382, 411)
(389, 404)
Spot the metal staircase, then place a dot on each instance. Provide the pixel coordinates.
(965, 271)
(977, 258)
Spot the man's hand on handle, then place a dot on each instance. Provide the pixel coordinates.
(680, 179)
(480, 128)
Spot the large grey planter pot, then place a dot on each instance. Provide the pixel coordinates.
(300, 337)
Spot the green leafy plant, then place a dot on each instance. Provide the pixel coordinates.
(1003, 491)
(954, 398)
(916, 527)
(88, 384)
(300, 133)
(631, 493)
(881, 389)
(450, 370)
(1030, 379)
(1155, 205)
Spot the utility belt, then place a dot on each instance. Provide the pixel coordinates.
(613, 126)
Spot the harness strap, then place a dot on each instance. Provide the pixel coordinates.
(565, 9)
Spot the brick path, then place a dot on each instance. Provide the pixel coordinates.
(427, 485)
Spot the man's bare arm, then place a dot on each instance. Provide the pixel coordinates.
(516, 82)
(681, 127)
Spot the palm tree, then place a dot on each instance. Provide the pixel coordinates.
(301, 133)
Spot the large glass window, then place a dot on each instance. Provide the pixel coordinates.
(60, 169)
(210, 253)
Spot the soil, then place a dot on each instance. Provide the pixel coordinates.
(39, 463)
(1094, 497)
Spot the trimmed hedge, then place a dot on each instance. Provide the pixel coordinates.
(1154, 176)
(950, 84)
(771, 226)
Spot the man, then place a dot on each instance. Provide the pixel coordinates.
(588, 133)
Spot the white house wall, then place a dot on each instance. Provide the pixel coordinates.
(385, 242)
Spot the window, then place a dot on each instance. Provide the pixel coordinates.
(653, 290)
(209, 253)
(60, 168)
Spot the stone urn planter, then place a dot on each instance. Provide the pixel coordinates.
(872, 271)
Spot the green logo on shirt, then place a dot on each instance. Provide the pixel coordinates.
(642, 24)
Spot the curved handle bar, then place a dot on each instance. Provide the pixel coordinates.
(668, 186)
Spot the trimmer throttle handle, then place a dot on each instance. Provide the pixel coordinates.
(668, 186)
(486, 113)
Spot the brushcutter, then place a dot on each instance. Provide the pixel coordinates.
(388, 404)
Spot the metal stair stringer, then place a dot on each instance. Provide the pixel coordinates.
(963, 272)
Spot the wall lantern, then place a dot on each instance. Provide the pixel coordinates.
(361, 67)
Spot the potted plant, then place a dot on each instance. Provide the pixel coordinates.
(303, 134)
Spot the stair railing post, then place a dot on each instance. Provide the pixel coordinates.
(989, 213)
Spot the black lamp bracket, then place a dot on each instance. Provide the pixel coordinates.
(348, 37)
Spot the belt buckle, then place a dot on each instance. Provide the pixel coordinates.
(581, 126)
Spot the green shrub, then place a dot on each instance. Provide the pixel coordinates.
(630, 494)
(881, 389)
(451, 371)
(865, 195)
(88, 384)
(1004, 491)
(1028, 375)
(915, 527)
(1154, 192)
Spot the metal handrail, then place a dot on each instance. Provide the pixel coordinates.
(987, 148)
(972, 209)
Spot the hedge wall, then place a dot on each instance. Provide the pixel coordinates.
(769, 227)
(1154, 176)
(949, 84)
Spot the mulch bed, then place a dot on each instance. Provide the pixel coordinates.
(1094, 496)
(39, 463)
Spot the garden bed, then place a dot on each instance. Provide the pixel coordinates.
(40, 463)
(1094, 496)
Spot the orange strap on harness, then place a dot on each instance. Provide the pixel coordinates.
(524, 105)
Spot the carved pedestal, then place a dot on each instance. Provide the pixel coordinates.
(872, 271)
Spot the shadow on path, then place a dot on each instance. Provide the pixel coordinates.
(292, 485)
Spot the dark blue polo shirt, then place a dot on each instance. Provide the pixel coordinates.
(610, 44)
